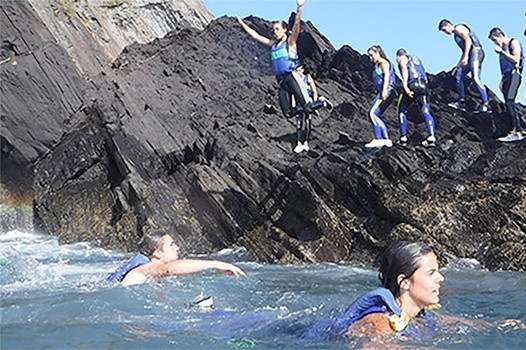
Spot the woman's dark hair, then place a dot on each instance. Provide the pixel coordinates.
(400, 258)
(151, 242)
(284, 24)
(378, 48)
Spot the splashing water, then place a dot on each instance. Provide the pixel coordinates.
(54, 297)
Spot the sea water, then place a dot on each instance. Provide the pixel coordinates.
(54, 297)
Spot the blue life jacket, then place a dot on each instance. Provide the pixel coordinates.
(120, 273)
(475, 41)
(416, 69)
(378, 76)
(379, 300)
(283, 61)
(506, 66)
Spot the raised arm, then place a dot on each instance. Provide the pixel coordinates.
(253, 33)
(297, 23)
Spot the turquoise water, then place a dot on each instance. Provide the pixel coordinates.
(52, 297)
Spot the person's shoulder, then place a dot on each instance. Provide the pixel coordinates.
(138, 275)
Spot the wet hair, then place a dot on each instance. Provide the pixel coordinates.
(401, 52)
(495, 32)
(151, 241)
(378, 49)
(400, 258)
(284, 24)
(443, 23)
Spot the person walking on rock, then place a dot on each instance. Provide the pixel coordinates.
(511, 59)
(384, 83)
(470, 61)
(414, 81)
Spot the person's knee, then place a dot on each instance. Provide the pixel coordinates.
(372, 114)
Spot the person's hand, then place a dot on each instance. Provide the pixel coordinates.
(229, 269)
(511, 324)
(463, 62)
(498, 49)
(301, 2)
(385, 94)
(409, 93)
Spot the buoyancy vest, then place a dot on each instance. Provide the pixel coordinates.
(415, 69)
(379, 300)
(378, 76)
(474, 40)
(120, 273)
(282, 58)
(506, 66)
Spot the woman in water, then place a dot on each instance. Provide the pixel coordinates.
(410, 287)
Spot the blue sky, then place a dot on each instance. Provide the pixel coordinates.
(412, 24)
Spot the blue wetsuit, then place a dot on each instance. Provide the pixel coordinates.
(476, 57)
(511, 80)
(379, 106)
(417, 82)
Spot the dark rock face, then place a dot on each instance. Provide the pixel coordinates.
(184, 133)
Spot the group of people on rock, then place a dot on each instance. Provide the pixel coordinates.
(294, 98)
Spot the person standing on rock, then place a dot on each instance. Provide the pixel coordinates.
(159, 257)
(470, 61)
(384, 83)
(284, 59)
(511, 59)
(414, 81)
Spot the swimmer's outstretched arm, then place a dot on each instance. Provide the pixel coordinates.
(186, 266)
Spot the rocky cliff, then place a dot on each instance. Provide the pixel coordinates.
(184, 132)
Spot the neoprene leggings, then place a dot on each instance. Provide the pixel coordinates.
(476, 57)
(421, 97)
(510, 87)
(291, 84)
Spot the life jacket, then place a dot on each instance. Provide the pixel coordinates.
(120, 273)
(506, 66)
(378, 76)
(474, 40)
(380, 300)
(415, 69)
(282, 58)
